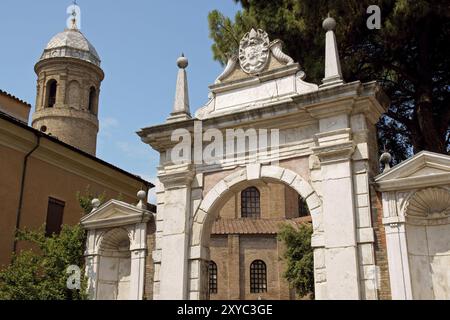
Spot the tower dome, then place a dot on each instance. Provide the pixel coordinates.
(71, 43)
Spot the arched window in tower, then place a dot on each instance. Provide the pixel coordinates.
(250, 203)
(212, 274)
(92, 97)
(258, 277)
(52, 87)
(303, 210)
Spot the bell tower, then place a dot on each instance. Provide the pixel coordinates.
(68, 88)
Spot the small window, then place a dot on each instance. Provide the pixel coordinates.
(55, 214)
(52, 87)
(212, 272)
(303, 210)
(258, 277)
(250, 203)
(92, 97)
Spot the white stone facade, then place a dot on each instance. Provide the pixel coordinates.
(116, 249)
(325, 148)
(331, 127)
(416, 216)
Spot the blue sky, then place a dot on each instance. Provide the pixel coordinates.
(138, 42)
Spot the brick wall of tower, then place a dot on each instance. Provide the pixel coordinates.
(72, 119)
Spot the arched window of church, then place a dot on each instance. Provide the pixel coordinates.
(303, 210)
(258, 277)
(212, 272)
(250, 203)
(52, 87)
(92, 97)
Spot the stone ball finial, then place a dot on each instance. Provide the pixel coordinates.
(142, 195)
(182, 62)
(329, 24)
(385, 160)
(95, 203)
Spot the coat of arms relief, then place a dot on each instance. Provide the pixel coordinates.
(254, 51)
(253, 56)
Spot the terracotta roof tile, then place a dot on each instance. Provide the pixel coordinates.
(253, 226)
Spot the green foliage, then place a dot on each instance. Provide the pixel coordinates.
(409, 56)
(299, 258)
(226, 34)
(42, 275)
(85, 199)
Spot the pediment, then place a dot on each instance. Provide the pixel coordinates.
(115, 213)
(424, 169)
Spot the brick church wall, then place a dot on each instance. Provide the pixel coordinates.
(384, 290)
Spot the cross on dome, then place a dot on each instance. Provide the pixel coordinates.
(74, 19)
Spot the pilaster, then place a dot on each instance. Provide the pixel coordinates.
(397, 249)
(176, 211)
(334, 150)
(234, 267)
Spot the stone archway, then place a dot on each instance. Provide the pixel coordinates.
(206, 213)
(116, 250)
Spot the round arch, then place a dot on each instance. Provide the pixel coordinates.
(208, 209)
(114, 239)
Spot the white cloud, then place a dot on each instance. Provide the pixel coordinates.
(109, 123)
(133, 149)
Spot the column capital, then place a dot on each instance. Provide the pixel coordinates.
(331, 108)
(138, 253)
(334, 152)
(397, 223)
(176, 176)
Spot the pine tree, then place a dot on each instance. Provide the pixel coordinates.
(409, 56)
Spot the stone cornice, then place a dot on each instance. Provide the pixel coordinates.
(63, 62)
(253, 80)
(115, 213)
(349, 98)
(331, 108)
(409, 183)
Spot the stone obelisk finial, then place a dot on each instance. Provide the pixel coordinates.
(333, 73)
(181, 105)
